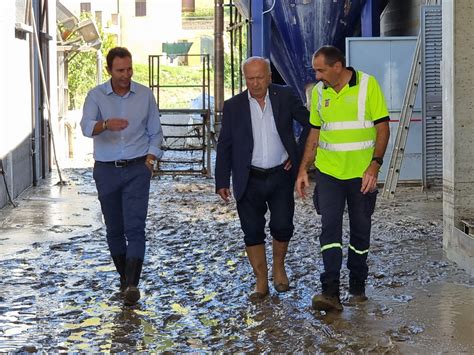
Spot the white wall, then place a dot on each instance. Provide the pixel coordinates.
(16, 102)
(15, 93)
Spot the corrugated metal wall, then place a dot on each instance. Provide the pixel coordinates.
(432, 96)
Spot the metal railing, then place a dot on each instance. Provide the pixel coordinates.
(186, 131)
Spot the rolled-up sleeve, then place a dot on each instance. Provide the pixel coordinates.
(154, 130)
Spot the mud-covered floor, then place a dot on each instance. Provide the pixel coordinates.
(58, 288)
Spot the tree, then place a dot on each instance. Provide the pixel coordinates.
(82, 69)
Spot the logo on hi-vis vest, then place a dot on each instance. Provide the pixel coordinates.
(326, 103)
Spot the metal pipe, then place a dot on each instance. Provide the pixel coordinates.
(33, 101)
(241, 84)
(218, 63)
(250, 31)
(237, 24)
(100, 63)
(209, 130)
(45, 93)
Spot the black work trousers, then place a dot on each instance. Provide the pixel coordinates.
(273, 191)
(330, 197)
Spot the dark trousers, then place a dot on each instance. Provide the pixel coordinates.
(330, 197)
(123, 195)
(272, 191)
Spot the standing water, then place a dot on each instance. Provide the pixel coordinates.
(58, 290)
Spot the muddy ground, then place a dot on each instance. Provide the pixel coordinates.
(58, 289)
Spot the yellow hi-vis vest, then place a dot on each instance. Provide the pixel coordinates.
(347, 134)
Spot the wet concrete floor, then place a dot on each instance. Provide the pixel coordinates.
(58, 287)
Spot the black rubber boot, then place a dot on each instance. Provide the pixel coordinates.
(119, 261)
(329, 300)
(132, 276)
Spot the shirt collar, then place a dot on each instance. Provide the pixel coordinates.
(353, 81)
(267, 95)
(109, 90)
(108, 87)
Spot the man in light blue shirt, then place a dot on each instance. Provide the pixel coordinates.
(122, 118)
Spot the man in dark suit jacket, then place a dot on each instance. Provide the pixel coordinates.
(258, 148)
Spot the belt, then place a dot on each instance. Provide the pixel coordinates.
(260, 172)
(122, 163)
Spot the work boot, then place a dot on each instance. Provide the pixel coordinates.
(132, 276)
(357, 299)
(258, 296)
(329, 300)
(326, 303)
(119, 261)
(258, 261)
(280, 278)
(356, 292)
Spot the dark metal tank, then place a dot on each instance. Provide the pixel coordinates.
(401, 18)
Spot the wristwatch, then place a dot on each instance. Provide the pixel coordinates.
(150, 161)
(378, 160)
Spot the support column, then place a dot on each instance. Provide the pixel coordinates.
(260, 29)
(458, 131)
(218, 64)
(370, 19)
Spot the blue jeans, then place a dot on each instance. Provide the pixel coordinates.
(275, 192)
(330, 197)
(123, 195)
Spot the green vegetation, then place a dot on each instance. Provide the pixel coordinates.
(203, 8)
(140, 73)
(200, 12)
(179, 97)
(82, 69)
(181, 75)
(82, 73)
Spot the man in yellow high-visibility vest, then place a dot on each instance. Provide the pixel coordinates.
(347, 142)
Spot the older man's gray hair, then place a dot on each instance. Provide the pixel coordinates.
(254, 59)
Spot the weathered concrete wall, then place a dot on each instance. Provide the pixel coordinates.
(460, 248)
(458, 129)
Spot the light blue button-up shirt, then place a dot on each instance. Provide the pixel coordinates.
(143, 134)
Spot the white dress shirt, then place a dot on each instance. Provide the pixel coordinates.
(268, 150)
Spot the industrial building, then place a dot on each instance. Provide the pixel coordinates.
(420, 51)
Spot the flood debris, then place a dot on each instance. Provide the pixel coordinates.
(59, 290)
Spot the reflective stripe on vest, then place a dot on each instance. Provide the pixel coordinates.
(336, 126)
(320, 86)
(361, 122)
(360, 252)
(346, 147)
(364, 82)
(330, 246)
